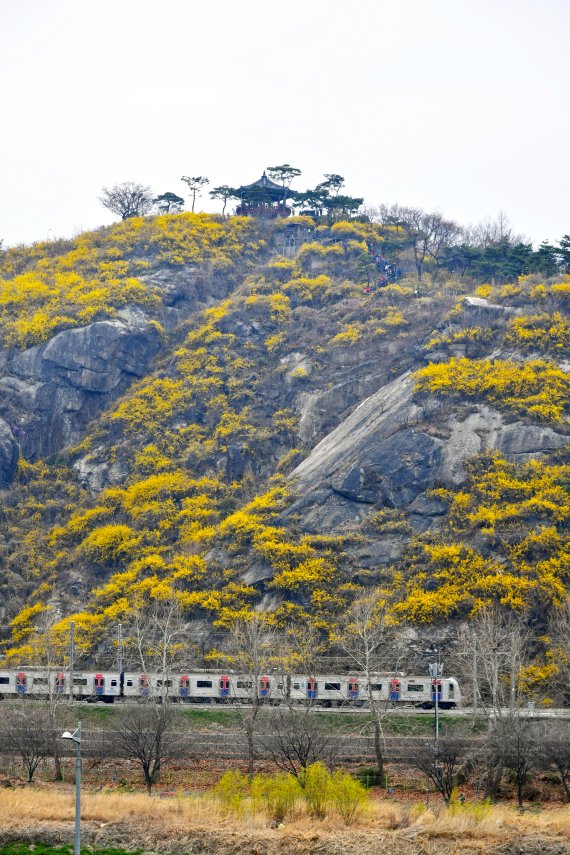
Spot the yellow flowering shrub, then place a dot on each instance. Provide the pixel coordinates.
(536, 388)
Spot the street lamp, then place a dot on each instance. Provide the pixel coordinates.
(76, 737)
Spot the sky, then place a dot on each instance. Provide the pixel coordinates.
(459, 106)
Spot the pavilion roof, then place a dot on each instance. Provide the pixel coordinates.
(267, 186)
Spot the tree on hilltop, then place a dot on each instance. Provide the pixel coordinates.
(195, 184)
(128, 199)
(223, 193)
(333, 183)
(284, 174)
(169, 203)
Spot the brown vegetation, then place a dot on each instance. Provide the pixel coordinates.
(185, 823)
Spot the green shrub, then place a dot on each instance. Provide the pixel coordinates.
(280, 794)
(315, 781)
(232, 790)
(347, 795)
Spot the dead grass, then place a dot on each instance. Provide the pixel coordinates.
(41, 804)
(182, 823)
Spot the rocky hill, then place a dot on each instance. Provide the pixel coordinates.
(188, 411)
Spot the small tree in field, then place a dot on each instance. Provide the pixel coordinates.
(556, 749)
(30, 733)
(249, 650)
(144, 734)
(127, 199)
(440, 763)
(372, 646)
(295, 738)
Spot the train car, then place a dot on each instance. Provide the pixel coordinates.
(40, 683)
(324, 690)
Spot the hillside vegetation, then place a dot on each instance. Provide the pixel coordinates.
(181, 486)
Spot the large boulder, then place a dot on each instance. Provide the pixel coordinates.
(49, 393)
(8, 455)
(393, 448)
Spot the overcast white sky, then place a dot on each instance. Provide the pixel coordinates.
(459, 105)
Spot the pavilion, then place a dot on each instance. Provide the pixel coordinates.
(264, 198)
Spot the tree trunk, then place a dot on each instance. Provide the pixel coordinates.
(250, 752)
(378, 749)
(492, 783)
(58, 771)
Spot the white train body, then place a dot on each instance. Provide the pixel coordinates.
(327, 690)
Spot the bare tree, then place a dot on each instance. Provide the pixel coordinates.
(249, 650)
(195, 184)
(490, 653)
(514, 742)
(559, 632)
(127, 199)
(295, 738)
(29, 732)
(156, 639)
(370, 643)
(440, 763)
(144, 733)
(429, 232)
(489, 232)
(556, 749)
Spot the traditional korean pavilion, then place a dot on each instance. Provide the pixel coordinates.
(264, 198)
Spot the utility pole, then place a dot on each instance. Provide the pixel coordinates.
(71, 657)
(475, 684)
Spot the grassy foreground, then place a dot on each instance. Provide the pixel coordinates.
(43, 816)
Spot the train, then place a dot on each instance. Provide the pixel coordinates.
(324, 690)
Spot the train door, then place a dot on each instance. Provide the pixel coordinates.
(352, 688)
(99, 685)
(59, 683)
(436, 687)
(184, 690)
(264, 687)
(21, 683)
(312, 688)
(394, 690)
(224, 686)
(144, 688)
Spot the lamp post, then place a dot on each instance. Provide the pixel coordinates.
(76, 737)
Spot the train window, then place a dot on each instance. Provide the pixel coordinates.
(80, 681)
(415, 687)
(129, 682)
(243, 684)
(279, 687)
(375, 687)
(113, 682)
(332, 687)
(296, 685)
(160, 683)
(4, 681)
(450, 688)
(203, 684)
(40, 681)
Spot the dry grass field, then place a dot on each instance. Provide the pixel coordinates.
(200, 824)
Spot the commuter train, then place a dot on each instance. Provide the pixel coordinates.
(325, 690)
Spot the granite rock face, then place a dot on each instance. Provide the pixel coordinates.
(50, 392)
(8, 455)
(392, 449)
